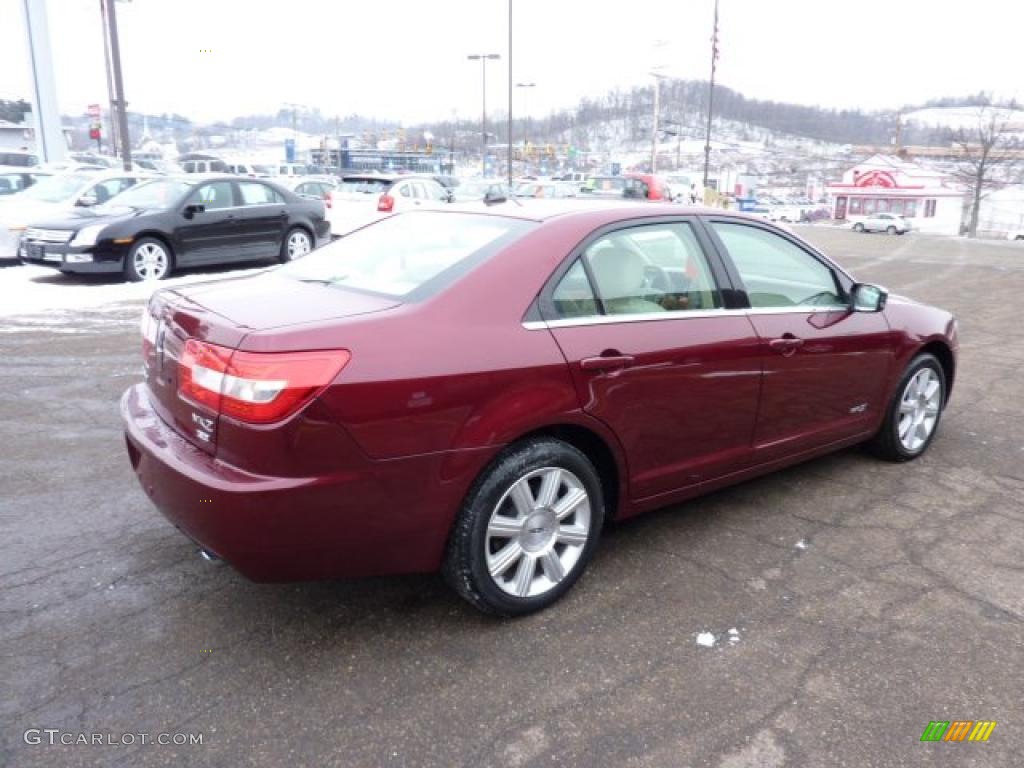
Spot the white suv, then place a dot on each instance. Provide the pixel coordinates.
(892, 223)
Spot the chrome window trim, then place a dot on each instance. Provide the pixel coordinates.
(647, 317)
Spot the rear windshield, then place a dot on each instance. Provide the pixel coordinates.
(364, 186)
(400, 254)
(57, 189)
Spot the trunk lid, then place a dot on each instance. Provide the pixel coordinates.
(224, 313)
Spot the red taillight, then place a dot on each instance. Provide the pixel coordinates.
(256, 387)
(386, 203)
(328, 199)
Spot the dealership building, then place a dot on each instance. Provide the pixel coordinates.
(928, 199)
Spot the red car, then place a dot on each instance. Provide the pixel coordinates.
(478, 392)
(644, 186)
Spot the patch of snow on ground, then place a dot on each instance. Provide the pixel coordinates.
(32, 290)
(706, 639)
(802, 544)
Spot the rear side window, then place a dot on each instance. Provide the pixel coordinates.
(398, 255)
(573, 296)
(258, 194)
(776, 272)
(639, 270)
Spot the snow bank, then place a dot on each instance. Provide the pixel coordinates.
(31, 290)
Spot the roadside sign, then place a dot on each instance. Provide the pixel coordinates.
(94, 110)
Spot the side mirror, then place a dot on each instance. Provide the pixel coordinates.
(192, 209)
(492, 197)
(868, 298)
(87, 201)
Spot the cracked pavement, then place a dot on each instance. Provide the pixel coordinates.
(903, 604)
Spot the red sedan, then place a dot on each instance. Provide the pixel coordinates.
(478, 392)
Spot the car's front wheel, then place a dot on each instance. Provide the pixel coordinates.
(858, 227)
(912, 417)
(148, 259)
(527, 528)
(890, 229)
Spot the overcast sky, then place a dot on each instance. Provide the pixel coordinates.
(406, 59)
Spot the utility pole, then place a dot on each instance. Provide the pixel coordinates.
(122, 105)
(654, 130)
(711, 96)
(483, 59)
(337, 137)
(510, 96)
(112, 113)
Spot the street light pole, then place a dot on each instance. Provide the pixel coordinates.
(483, 58)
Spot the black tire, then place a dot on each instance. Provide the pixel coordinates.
(295, 232)
(890, 230)
(135, 272)
(858, 227)
(886, 444)
(465, 566)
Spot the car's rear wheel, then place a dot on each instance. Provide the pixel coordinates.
(858, 227)
(297, 243)
(912, 417)
(891, 229)
(527, 528)
(148, 259)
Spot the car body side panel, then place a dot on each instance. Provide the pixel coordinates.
(829, 388)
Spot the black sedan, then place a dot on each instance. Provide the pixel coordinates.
(154, 228)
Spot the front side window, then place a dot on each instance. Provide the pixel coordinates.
(639, 270)
(776, 272)
(213, 196)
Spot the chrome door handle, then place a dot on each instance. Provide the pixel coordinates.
(606, 362)
(787, 345)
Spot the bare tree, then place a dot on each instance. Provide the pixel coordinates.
(989, 156)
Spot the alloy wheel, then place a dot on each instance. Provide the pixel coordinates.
(537, 532)
(919, 409)
(150, 261)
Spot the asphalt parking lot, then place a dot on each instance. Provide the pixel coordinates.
(866, 599)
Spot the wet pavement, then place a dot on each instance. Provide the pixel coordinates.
(840, 605)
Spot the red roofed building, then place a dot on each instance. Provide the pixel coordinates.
(929, 200)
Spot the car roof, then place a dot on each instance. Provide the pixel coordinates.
(25, 169)
(545, 209)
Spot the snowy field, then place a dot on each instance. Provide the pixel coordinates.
(39, 298)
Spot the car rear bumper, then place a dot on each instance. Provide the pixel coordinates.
(368, 518)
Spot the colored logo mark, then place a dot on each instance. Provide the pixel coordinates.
(958, 730)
